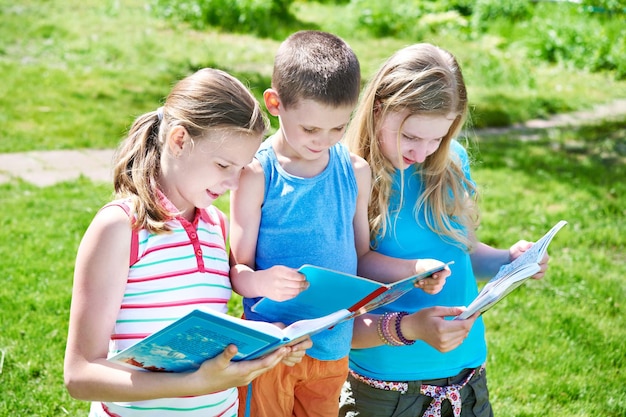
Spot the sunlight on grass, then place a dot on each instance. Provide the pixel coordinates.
(75, 74)
(555, 345)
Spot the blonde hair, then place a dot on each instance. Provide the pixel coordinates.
(426, 80)
(205, 101)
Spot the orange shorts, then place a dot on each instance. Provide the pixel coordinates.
(311, 388)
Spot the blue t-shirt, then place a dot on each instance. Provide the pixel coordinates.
(409, 239)
(309, 221)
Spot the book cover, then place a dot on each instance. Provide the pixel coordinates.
(201, 335)
(330, 291)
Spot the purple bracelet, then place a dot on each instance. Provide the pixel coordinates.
(385, 330)
(399, 332)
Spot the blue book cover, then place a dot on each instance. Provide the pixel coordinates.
(201, 335)
(330, 291)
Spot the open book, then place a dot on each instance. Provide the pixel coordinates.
(332, 297)
(330, 291)
(201, 335)
(511, 275)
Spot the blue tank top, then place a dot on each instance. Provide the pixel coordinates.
(410, 239)
(309, 221)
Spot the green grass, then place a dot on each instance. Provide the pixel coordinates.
(75, 74)
(555, 346)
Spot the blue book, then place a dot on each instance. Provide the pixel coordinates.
(330, 291)
(203, 334)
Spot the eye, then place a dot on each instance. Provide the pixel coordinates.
(308, 130)
(222, 166)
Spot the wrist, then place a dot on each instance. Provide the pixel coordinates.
(401, 332)
(389, 328)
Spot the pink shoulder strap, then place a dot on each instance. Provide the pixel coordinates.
(134, 239)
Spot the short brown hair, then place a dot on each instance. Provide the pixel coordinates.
(319, 66)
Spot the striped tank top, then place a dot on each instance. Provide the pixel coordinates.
(170, 275)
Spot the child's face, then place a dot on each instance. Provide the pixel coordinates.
(209, 168)
(311, 128)
(408, 139)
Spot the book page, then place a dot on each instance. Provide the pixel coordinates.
(310, 327)
(512, 275)
(488, 298)
(532, 255)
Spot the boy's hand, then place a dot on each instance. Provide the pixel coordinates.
(280, 283)
(434, 283)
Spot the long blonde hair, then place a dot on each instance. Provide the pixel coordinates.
(426, 80)
(206, 100)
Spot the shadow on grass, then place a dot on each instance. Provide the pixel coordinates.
(501, 110)
(592, 155)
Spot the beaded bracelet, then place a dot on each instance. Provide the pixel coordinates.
(387, 330)
(383, 330)
(403, 339)
(379, 328)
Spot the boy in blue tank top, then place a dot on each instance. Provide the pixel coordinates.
(303, 200)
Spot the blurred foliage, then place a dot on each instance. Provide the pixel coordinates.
(259, 17)
(586, 35)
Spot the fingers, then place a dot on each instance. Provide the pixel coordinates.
(519, 248)
(301, 344)
(446, 311)
(431, 285)
(273, 358)
(434, 283)
(422, 265)
(283, 283)
(431, 326)
(293, 357)
(227, 355)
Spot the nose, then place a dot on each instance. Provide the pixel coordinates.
(328, 139)
(418, 153)
(232, 182)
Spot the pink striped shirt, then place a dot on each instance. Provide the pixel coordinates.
(170, 275)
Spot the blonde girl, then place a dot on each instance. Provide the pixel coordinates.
(407, 360)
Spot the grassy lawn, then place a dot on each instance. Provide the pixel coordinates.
(75, 74)
(555, 346)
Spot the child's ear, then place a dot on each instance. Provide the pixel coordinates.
(176, 140)
(272, 101)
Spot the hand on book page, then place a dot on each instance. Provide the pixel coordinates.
(512, 275)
